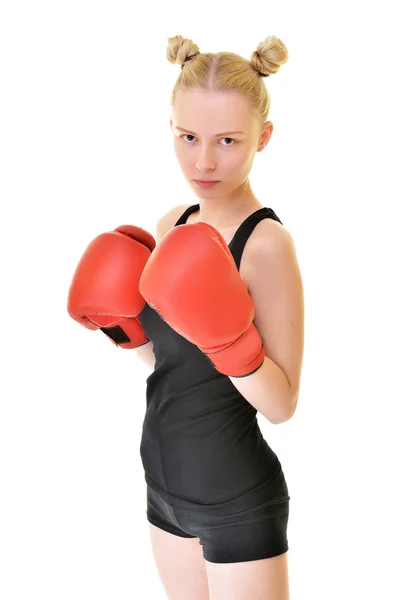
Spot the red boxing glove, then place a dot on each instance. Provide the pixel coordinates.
(104, 293)
(192, 281)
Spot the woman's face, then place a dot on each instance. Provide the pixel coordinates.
(216, 136)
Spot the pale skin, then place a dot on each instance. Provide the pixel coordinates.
(279, 313)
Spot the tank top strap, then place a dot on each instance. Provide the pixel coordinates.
(182, 219)
(243, 232)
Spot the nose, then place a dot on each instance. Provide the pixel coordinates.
(205, 160)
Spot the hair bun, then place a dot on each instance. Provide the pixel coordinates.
(180, 48)
(269, 56)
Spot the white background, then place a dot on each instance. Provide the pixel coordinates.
(86, 146)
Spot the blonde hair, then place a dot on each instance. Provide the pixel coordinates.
(227, 71)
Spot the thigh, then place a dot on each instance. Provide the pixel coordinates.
(180, 565)
(178, 554)
(258, 580)
(249, 558)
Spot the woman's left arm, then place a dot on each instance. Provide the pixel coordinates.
(275, 285)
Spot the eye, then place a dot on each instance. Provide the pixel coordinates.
(228, 138)
(188, 135)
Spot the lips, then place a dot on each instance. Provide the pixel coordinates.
(205, 184)
(205, 180)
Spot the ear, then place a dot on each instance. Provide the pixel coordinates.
(170, 122)
(265, 135)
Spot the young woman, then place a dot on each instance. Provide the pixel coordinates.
(214, 306)
(218, 503)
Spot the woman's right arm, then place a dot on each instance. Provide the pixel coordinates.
(164, 224)
(146, 354)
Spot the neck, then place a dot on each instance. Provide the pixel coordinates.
(228, 212)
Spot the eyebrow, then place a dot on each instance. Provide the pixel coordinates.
(216, 135)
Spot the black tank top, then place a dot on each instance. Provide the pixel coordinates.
(201, 445)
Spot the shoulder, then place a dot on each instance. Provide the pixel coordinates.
(268, 233)
(168, 220)
(268, 241)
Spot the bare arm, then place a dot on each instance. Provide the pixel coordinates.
(146, 354)
(276, 288)
(164, 224)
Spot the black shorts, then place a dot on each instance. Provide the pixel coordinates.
(252, 534)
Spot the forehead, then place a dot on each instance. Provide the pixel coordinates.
(212, 111)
